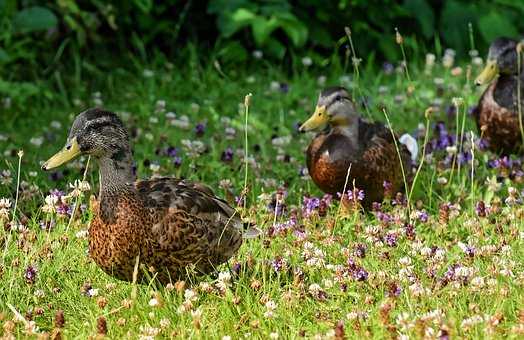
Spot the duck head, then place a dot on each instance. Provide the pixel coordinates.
(334, 108)
(502, 59)
(94, 132)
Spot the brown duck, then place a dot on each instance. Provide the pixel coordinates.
(345, 139)
(172, 226)
(497, 115)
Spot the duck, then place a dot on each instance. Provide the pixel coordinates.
(344, 139)
(496, 114)
(174, 227)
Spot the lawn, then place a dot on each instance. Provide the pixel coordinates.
(445, 261)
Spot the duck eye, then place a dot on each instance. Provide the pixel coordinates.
(68, 147)
(338, 98)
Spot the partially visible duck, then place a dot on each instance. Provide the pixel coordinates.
(347, 139)
(497, 112)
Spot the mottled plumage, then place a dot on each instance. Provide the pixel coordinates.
(368, 147)
(497, 112)
(173, 225)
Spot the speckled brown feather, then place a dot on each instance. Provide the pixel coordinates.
(497, 112)
(171, 223)
(373, 161)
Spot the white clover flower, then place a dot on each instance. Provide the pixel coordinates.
(224, 276)
(258, 54)
(56, 124)
(430, 59)
(81, 234)
(405, 261)
(182, 122)
(190, 295)
(37, 141)
(307, 61)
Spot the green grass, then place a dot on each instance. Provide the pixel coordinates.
(364, 308)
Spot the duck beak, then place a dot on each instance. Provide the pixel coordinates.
(319, 119)
(70, 151)
(488, 73)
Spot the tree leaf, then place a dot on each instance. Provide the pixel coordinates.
(294, 28)
(275, 48)
(262, 29)
(34, 18)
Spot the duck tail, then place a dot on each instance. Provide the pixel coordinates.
(411, 145)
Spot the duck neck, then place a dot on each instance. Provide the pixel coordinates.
(349, 131)
(116, 172)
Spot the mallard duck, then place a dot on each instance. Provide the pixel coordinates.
(497, 111)
(169, 224)
(347, 139)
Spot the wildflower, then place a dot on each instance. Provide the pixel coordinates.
(5, 177)
(30, 274)
(148, 73)
(449, 58)
(360, 250)
(182, 122)
(307, 61)
(200, 128)
(227, 155)
(270, 308)
(5, 205)
(257, 54)
(37, 141)
(391, 239)
(493, 184)
(317, 292)
(309, 205)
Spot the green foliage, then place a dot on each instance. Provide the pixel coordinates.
(39, 38)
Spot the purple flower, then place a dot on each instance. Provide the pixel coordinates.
(236, 268)
(56, 175)
(388, 67)
(284, 87)
(376, 206)
(177, 161)
(30, 274)
(200, 128)
(354, 195)
(171, 151)
(480, 209)
(278, 264)
(360, 250)
(422, 216)
(383, 217)
(391, 239)
(360, 274)
(63, 209)
(394, 290)
(470, 251)
(309, 205)
(227, 155)
(409, 230)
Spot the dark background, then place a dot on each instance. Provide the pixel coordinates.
(40, 37)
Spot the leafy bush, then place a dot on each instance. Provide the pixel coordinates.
(37, 38)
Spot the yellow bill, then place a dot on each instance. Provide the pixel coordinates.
(488, 73)
(70, 151)
(318, 120)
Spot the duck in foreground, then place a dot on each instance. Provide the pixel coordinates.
(169, 224)
(345, 139)
(497, 111)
